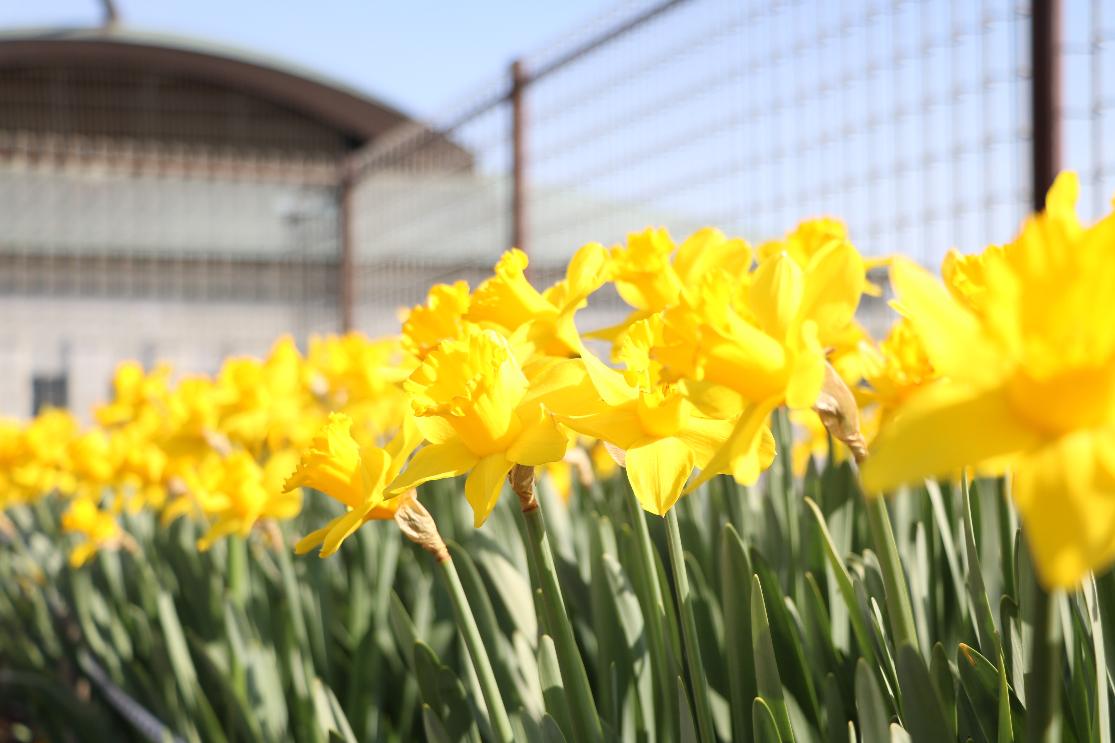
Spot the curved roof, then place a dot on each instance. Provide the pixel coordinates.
(336, 105)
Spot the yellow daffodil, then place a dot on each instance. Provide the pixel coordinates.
(137, 396)
(442, 317)
(242, 498)
(650, 275)
(509, 303)
(472, 400)
(663, 435)
(895, 369)
(98, 528)
(642, 271)
(1027, 383)
(336, 465)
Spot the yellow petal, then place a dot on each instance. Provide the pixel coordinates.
(434, 462)
(314, 538)
(775, 294)
(708, 249)
(1067, 507)
(540, 443)
(564, 387)
(619, 426)
(80, 554)
(941, 429)
(834, 281)
(341, 530)
(483, 486)
(658, 472)
(587, 270)
(743, 441)
(610, 384)
(808, 372)
(705, 436)
(435, 429)
(951, 335)
(399, 448)
(748, 465)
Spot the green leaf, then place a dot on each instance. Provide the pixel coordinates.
(844, 583)
(435, 731)
(767, 679)
(553, 689)
(426, 668)
(943, 683)
(980, 605)
(687, 727)
(1006, 726)
(793, 667)
(925, 719)
(551, 731)
(765, 728)
(836, 716)
(980, 681)
(1101, 725)
(874, 717)
(479, 599)
(406, 634)
(735, 594)
(178, 652)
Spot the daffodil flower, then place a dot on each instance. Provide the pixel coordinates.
(650, 275)
(507, 301)
(1026, 355)
(99, 529)
(335, 464)
(246, 493)
(663, 435)
(476, 411)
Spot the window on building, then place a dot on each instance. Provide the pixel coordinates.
(49, 391)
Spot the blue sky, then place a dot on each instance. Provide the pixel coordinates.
(419, 55)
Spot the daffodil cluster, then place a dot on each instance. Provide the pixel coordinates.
(217, 449)
(1007, 366)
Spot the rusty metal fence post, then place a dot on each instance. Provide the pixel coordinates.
(1046, 81)
(519, 82)
(346, 268)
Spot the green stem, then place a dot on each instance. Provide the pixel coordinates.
(1043, 697)
(662, 657)
(470, 633)
(586, 718)
(696, 665)
(900, 612)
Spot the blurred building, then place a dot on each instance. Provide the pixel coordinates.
(164, 199)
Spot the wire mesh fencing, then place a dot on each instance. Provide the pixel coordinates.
(911, 121)
(150, 214)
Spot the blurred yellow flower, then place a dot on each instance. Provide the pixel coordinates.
(1028, 382)
(442, 317)
(98, 528)
(242, 498)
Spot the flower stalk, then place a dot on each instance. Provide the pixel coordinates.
(836, 407)
(416, 523)
(696, 665)
(1043, 681)
(584, 715)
